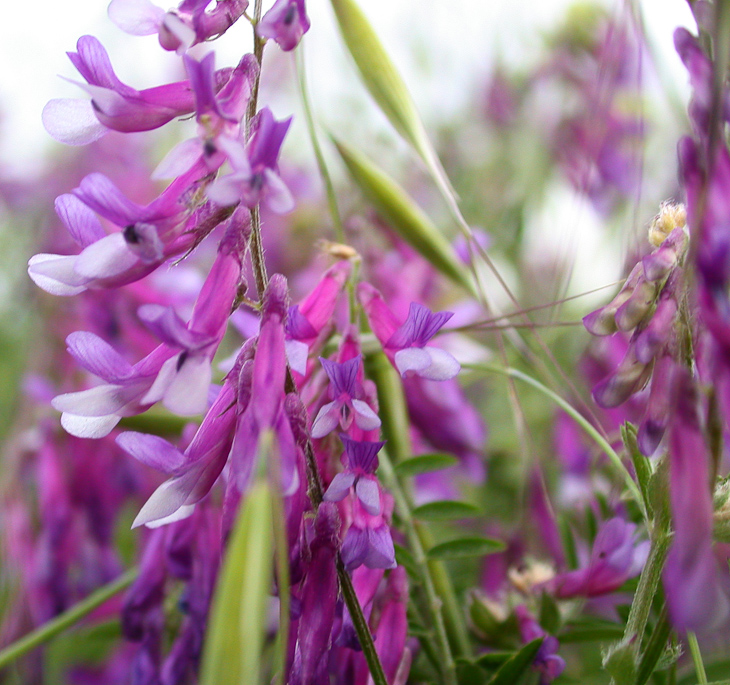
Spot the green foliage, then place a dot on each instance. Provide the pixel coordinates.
(465, 547)
(237, 623)
(425, 463)
(445, 510)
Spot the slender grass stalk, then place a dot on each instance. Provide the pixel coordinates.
(694, 649)
(300, 69)
(68, 618)
(614, 458)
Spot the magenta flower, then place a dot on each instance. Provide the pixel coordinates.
(285, 23)
(306, 320)
(615, 557)
(114, 105)
(193, 472)
(406, 345)
(218, 112)
(696, 595)
(346, 393)
(177, 29)
(255, 178)
(547, 662)
(150, 235)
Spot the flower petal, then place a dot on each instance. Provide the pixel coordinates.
(106, 258)
(98, 357)
(327, 420)
(151, 450)
(56, 275)
(412, 359)
(443, 365)
(89, 426)
(368, 493)
(339, 487)
(72, 122)
(365, 417)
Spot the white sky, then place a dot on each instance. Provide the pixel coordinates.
(440, 48)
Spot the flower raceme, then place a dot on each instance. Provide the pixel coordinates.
(405, 344)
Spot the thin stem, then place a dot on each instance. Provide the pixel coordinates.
(414, 541)
(645, 592)
(614, 458)
(301, 71)
(65, 620)
(694, 649)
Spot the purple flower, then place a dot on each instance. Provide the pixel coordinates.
(362, 461)
(345, 391)
(218, 113)
(177, 29)
(615, 557)
(547, 661)
(114, 105)
(405, 345)
(255, 178)
(150, 235)
(285, 23)
(695, 594)
(193, 472)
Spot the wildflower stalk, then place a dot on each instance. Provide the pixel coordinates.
(435, 605)
(300, 69)
(694, 649)
(68, 618)
(614, 458)
(445, 611)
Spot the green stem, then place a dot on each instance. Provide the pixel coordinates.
(694, 649)
(65, 620)
(435, 604)
(614, 458)
(646, 591)
(321, 164)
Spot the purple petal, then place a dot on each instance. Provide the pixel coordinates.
(165, 501)
(179, 160)
(343, 377)
(419, 327)
(98, 357)
(327, 420)
(83, 225)
(278, 197)
(355, 548)
(381, 553)
(101, 195)
(170, 328)
(361, 454)
(339, 487)
(151, 450)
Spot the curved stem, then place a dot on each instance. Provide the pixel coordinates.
(614, 458)
(65, 620)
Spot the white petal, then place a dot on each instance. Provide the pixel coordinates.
(136, 17)
(278, 197)
(225, 191)
(179, 159)
(326, 421)
(98, 401)
(55, 274)
(106, 258)
(72, 122)
(443, 365)
(89, 426)
(182, 513)
(412, 359)
(164, 502)
(187, 394)
(180, 30)
(162, 381)
(365, 417)
(296, 354)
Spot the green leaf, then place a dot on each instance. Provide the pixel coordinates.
(425, 463)
(549, 618)
(404, 558)
(445, 510)
(465, 547)
(591, 630)
(493, 660)
(386, 86)
(513, 669)
(237, 624)
(403, 215)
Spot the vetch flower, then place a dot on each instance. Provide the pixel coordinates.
(285, 23)
(346, 393)
(255, 177)
(406, 345)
